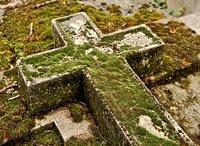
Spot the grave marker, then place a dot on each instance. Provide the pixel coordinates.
(113, 92)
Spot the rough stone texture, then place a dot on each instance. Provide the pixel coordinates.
(82, 32)
(65, 124)
(183, 101)
(192, 21)
(108, 124)
(51, 93)
(190, 5)
(138, 39)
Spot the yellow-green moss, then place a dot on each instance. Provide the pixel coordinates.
(14, 121)
(15, 41)
(179, 56)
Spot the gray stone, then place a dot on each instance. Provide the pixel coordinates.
(183, 102)
(192, 21)
(190, 6)
(65, 124)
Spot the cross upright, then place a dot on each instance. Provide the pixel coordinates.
(92, 67)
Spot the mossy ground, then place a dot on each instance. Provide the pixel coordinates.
(15, 41)
(3, 2)
(14, 120)
(47, 135)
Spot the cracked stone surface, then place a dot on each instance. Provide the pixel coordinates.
(65, 124)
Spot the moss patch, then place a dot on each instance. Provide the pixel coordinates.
(15, 41)
(14, 121)
(47, 135)
(115, 81)
(179, 57)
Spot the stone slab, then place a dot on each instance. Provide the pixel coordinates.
(192, 21)
(65, 124)
(182, 99)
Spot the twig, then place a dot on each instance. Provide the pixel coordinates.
(31, 30)
(45, 3)
(15, 97)
(4, 90)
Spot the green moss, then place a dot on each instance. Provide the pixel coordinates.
(124, 94)
(185, 83)
(14, 121)
(114, 9)
(49, 138)
(179, 56)
(47, 135)
(23, 128)
(78, 112)
(14, 39)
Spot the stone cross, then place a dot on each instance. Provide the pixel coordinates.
(93, 68)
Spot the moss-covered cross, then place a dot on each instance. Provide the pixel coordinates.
(92, 67)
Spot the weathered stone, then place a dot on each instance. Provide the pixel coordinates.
(92, 73)
(192, 21)
(65, 124)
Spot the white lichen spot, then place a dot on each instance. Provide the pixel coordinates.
(198, 56)
(88, 51)
(105, 49)
(1, 76)
(91, 34)
(66, 58)
(80, 39)
(146, 122)
(136, 39)
(31, 68)
(77, 25)
(80, 31)
(95, 58)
